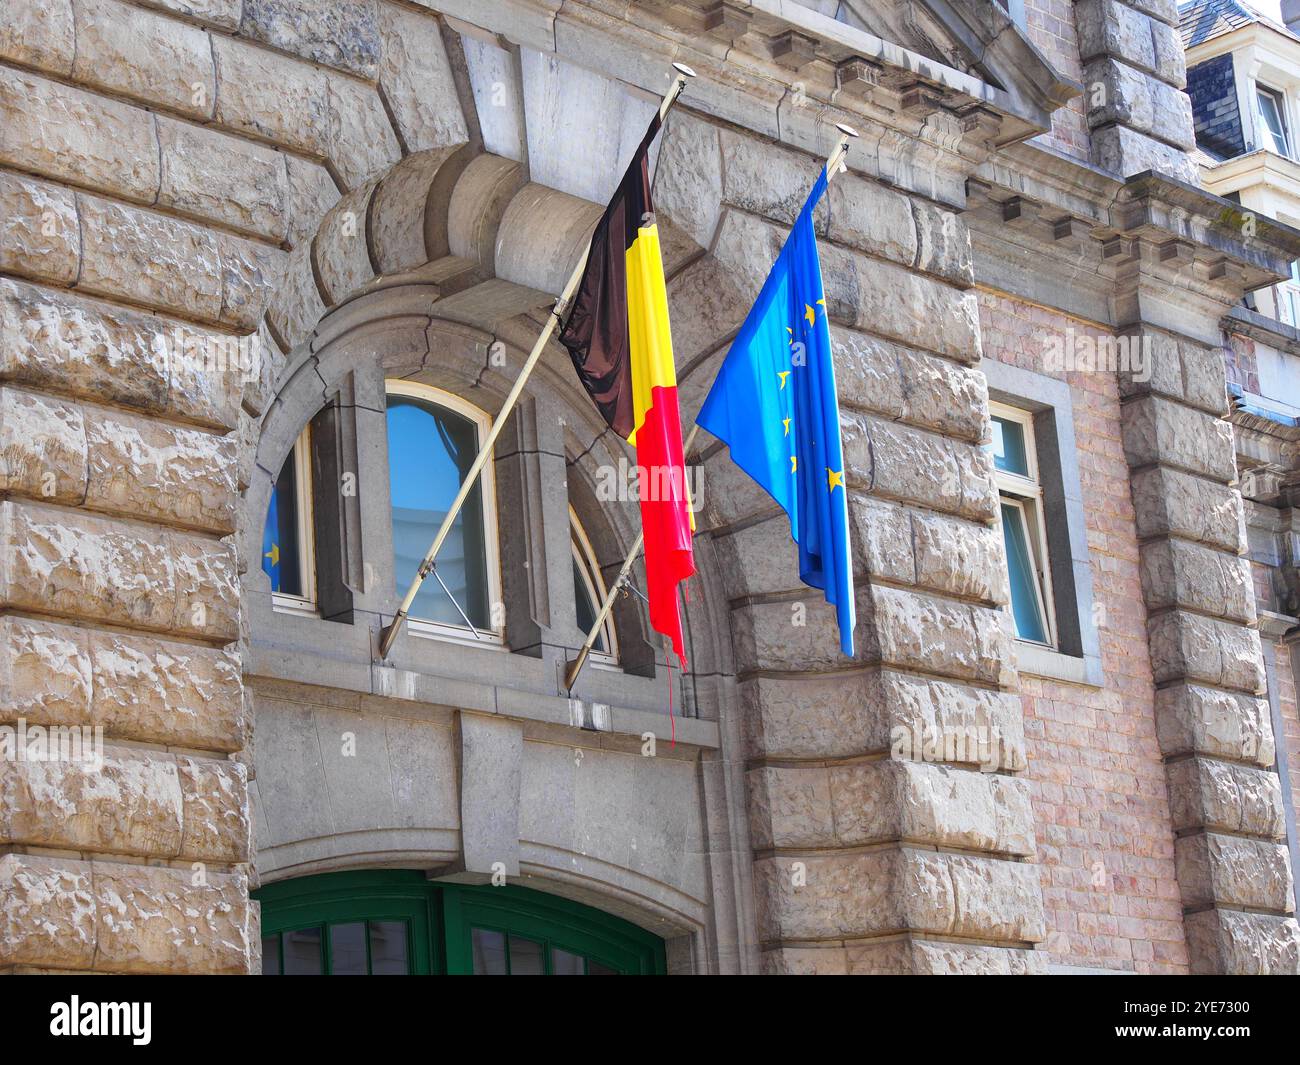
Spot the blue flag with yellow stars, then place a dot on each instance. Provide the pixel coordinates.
(774, 404)
(270, 542)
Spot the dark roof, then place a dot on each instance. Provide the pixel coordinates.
(1203, 20)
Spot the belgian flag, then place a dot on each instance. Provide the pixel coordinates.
(617, 333)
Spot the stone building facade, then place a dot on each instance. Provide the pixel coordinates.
(235, 230)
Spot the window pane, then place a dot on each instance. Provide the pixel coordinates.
(525, 957)
(348, 949)
(1272, 128)
(270, 955)
(280, 550)
(388, 948)
(489, 949)
(1009, 447)
(1030, 624)
(302, 952)
(594, 968)
(586, 608)
(430, 449)
(565, 964)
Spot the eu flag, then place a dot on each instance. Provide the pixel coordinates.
(270, 542)
(774, 404)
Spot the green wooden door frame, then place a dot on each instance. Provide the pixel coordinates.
(440, 916)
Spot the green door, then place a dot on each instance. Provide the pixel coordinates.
(392, 922)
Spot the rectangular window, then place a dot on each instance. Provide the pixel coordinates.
(1271, 107)
(1024, 533)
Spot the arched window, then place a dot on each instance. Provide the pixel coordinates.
(287, 536)
(385, 922)
(433, 438)
(589, 592)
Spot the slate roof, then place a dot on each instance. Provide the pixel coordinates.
(1203, 20)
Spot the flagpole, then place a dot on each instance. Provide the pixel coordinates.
(834, 162)
(389, 634)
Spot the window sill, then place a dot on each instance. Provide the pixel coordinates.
(432, 630)
(1035, 660)
(292, 604)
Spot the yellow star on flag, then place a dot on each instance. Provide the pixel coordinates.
(783, 374)
(810, 314)
(833, 478)
(786, 423)
(273, 554)
(794, 463)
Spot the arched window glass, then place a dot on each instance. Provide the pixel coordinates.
(433, 438)
(589, 591)
(287, 542)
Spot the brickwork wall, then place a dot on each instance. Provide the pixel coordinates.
(1101, 807)
(1050, 25)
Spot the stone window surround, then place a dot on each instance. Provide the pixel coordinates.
(516, 680)
(1079, 659)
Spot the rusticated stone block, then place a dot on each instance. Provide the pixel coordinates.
(77, 136)
(227, 179)
(688, 179)
(759, 559)
(139, 54)
(1242, 944)
(152, 919)
(153, 470)
(1188, 646)
(296, 306)
(898, 303)
(340, 255)
(249, 272)
(1218, 870)
(1191, 719)
(1126, 152)
(837, 896)
(910, 386)
(337, 33)
(868, 216)
(44, 673)
(943, 243)
(773, 182)
(931, 958)
(810, 716)
(42, 447)
(1171, 503)
(1141, 102)
(39, 33)
(921, 632)
(1176, 573)
(216, 817)
(47, 912)
(271, 97)
(99, 569)
(938, 720)
(409, 219)
(800, 634)
(1158, 431)
(156, 690)
(1109, 27)
(39, 234)
(52, 339)
(312, 192)
(1224, 796)
(1182, 369)
(223, 13)
(130, 803)
(873, 802)
(362, 142)
(898, 462)
(416, 77)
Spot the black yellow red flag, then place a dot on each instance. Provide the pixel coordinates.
(617, 333)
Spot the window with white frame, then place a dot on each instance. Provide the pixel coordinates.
(288, 550)
(589, 593)
(1024, 533)
(1270, 106)
(433, 438)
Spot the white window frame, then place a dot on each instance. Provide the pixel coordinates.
(1026, 494)
(1279, 100)
(438, 630)
(305, 603)
(585, 556)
